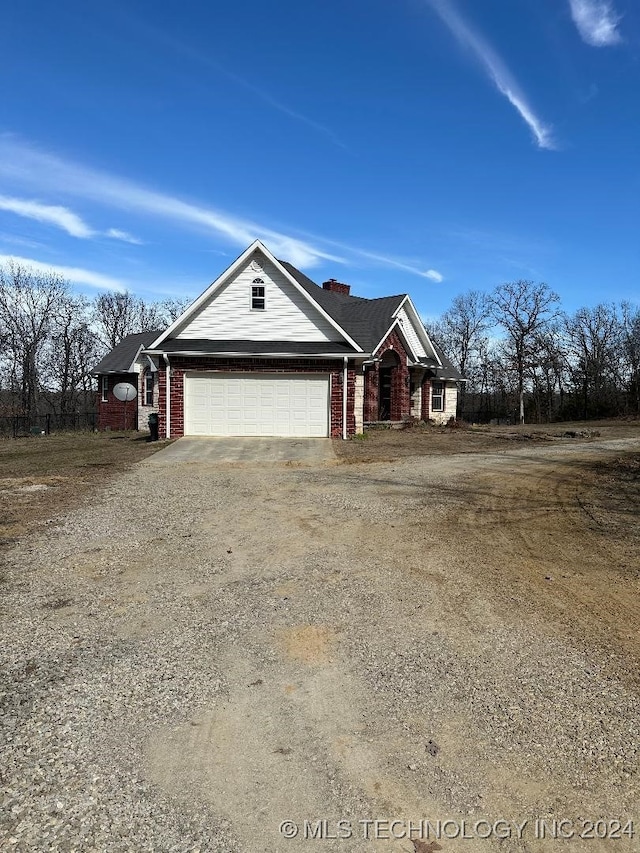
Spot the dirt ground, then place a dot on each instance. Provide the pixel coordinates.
(43, 476)
(219, 657)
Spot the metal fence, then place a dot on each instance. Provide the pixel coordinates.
(18, 426)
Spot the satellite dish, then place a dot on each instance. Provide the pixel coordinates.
(124, 391)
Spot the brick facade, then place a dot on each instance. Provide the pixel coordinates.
(112, 413)
(363, 392)
(255, 365)
(400, 392)
(426, 400)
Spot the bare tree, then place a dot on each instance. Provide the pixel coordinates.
(116, 315)
(630, 340)
(464, 326)
(524, 309)
(594, 339)
(172, 308)
(550, 373)
(70, 354)
(29, 300)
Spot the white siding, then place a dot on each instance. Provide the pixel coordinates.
(411, 335)
(288, 315)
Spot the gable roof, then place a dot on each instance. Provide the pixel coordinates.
(363, 324)
(168, 333)
(122, 357)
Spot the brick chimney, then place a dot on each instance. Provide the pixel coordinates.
(336, 286)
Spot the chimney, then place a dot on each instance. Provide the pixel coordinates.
(336, 286)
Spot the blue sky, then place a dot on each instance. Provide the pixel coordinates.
(421, 146)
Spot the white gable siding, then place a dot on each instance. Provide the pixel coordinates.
(411, 335)
(288, 315)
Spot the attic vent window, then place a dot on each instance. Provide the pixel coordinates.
(257, 295)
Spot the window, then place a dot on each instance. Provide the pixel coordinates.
(104, 386)
(257, 295)
(148, 387)
(437, 396)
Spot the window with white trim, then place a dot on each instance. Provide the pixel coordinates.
(258, 298)
(149, 379)
(104, 388)
(437, 396)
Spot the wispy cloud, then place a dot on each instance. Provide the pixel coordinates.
(117, 234)
(597, 22)
(76, 275)
(395, 263)
(27, 165)
(61, 217)
(495, 68)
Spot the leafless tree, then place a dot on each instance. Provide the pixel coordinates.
(116, 315)
(464, 326)
(593, 336)
(172, 308)
(524, 309)
(70, 354)
(630, 341)
(28, 302)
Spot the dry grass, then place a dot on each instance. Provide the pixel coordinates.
(387, 445)
(41, 477)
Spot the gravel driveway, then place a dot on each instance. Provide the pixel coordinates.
(210, 650)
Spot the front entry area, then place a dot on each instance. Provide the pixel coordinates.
(387, 373)
(256, 404)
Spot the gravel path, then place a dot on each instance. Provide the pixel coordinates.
(209, 650)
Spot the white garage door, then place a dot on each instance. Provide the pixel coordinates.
(256, 404)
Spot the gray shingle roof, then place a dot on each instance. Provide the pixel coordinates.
(364, 320)
(121, 357)
(448, 370)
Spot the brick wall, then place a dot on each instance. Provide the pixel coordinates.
(400, 395)
(426, 400)
(255, 365)
(113, 414)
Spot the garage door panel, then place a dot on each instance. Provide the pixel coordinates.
(256, 404)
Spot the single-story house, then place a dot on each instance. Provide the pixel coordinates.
(265, 351)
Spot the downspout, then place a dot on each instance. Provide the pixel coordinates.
(167, 430)
(344, 398)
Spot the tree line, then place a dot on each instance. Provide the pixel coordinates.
(51, 338)
(526, 359)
